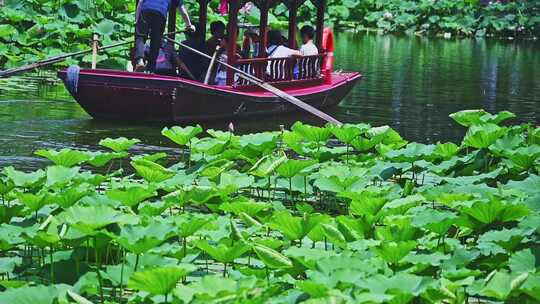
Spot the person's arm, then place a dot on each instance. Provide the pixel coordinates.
(185, 16)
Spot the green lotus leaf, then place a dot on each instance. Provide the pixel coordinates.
(24, 180)
(469, 118)
(505, 144)
(6, 186)
(33, 295)
(64, 157)
(262, 143)
(411, 153)
(394, 252)
(182, 136)
(67, 197)
(139, 239)
(100, 159)
(34, 202)
(222, 252)
(105, 27)
(59, 175)
(209, 145)
(203, 194)
(235, 179)
(433, 259)
(188, 224)
(314, 290)
(351, 228)
(523, 158)
(293, 167)
(245, 205)
(150, 171)
(212, 288)
(387, 136)
(294, 227)
(346, 133)
(271, 258)
(312, 133)
(214, 169)
(334, 235)
(152, 208)
(92, 218)
(435, 220)
(522, 261)
(159, 280)
(446, 150)
(482, 136)
(367, 203)
(118, 145)
(9, 212)
(267, 165)
(490, 211)
(132, 195)
(8, 264)
(307, 256)
(294, 141)
(403, 284)
(501, 285)
(532, 286)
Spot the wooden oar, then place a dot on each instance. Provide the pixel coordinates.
(63, 57)
(55, 59)
(270, 88)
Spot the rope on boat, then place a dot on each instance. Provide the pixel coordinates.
(72, 79)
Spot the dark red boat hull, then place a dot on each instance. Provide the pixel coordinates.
(107, 94)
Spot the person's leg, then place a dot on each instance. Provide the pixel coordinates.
(157, 26)
(141, 33)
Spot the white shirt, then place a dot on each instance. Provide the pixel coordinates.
(281, 52)
(309, 49)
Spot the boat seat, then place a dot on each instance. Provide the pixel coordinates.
(278, 70)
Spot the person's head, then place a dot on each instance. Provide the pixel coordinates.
(307, 32)
(274, 37)
(217, 29)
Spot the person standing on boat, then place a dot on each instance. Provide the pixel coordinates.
(150, 20)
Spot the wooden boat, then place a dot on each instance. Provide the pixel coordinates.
(111, 94)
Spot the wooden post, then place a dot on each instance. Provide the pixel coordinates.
(293, 11)
(95, 41)
(203, 18)
(263, 28)
(321, 7)
(171, 22)
(232, 28)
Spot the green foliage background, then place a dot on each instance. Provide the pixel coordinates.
(35, 29)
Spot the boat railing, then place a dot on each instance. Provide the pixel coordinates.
(297, 69)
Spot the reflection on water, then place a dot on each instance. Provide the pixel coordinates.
(411, 84)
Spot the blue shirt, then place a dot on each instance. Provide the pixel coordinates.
(160, 6)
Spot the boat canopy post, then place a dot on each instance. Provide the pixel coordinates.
(293, 11)
(264, 7)
(321, 7)
(203, 18)
(171, 24)
(232, 29)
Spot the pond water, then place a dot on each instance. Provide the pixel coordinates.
(410, 83)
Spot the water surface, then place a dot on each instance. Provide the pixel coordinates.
(410, 83)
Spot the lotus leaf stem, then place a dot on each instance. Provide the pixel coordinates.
(98, 266)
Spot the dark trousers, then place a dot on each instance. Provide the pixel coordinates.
(153, 23)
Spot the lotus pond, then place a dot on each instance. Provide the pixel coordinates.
(349, 214)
